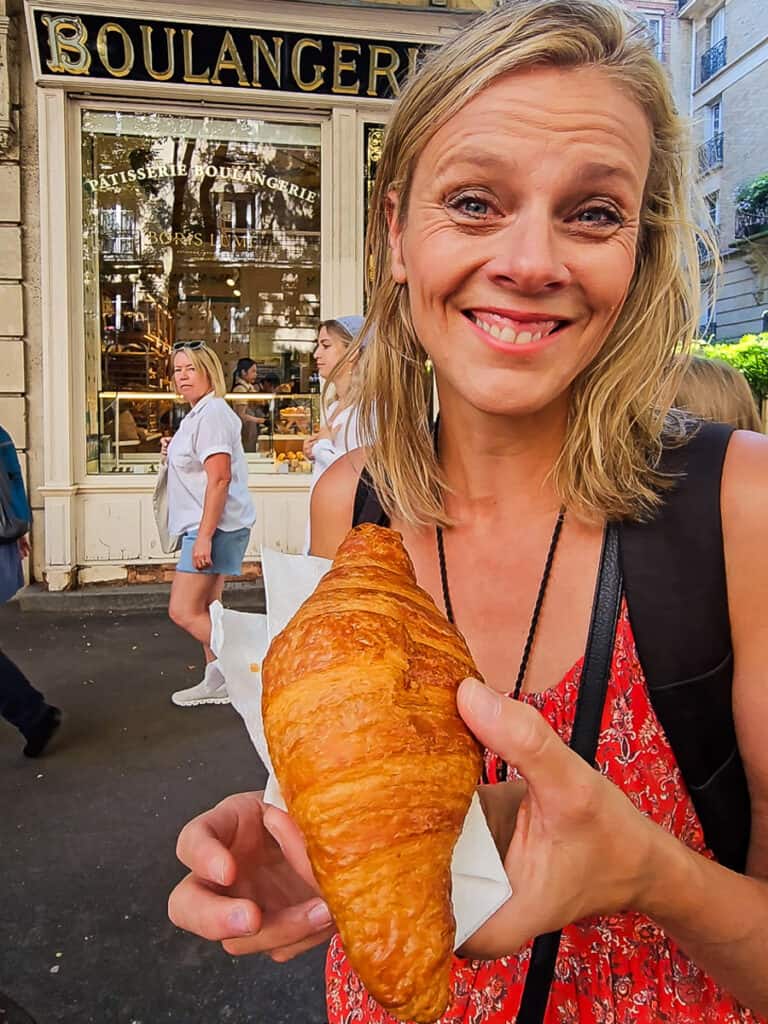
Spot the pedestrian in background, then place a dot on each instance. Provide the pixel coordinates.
(713, 390)
(209, 506)
(244, 382)
(338, 433)
(20, 703)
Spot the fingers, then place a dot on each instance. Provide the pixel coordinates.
(519, 734)
(203, 843)
(288, 837)
(286, 933)
(197, 908)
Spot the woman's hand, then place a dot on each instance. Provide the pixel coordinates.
(24, 547)
(578, 846)
(309, 445)
(250, 885)
(201, 553)
(164, 442)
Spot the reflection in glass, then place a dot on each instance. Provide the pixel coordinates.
(194, 228)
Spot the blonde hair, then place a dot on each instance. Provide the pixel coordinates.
(352, 358)
(713, 390)
(205, 359)
(618, 404)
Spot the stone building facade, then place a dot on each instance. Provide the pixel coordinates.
(727, 65)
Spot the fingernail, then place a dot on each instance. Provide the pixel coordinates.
(319, 915)
(481, 699)
(220, 872)
(239, 921)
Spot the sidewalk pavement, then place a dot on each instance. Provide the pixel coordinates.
(87, 835)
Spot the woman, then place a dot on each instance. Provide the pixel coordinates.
(244, 381)
(20, 703)
(714, 390)
(338, 434)
(209, 506)
(531, 233)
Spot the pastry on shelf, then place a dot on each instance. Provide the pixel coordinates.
(375, 764)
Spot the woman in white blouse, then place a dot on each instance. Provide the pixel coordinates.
(209, 506)
(338, 434)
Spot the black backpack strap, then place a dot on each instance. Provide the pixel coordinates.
(593, 687)
(674, 573)
(367, 508)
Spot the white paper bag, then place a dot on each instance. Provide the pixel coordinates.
(240, 641)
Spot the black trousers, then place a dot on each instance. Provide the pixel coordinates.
(20, 703)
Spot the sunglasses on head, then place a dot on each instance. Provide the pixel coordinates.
(179, 345)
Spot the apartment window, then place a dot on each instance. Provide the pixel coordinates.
(716, 27)
(655, 24)
(713, 207)
(714, 58)
(715, 118)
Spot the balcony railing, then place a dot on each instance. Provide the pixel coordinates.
(753, 221)
(712, 60)
(711, 153)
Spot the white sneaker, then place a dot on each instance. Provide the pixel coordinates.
(212, 689)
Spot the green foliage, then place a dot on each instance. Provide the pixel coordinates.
(753, 194)
(748, 354)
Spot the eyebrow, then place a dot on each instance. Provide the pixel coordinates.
(590, 171)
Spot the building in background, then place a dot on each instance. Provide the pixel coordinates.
(724, 49)
(172, 172)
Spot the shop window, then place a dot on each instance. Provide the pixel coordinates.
(207, 228)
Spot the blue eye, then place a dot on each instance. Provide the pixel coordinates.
(602, 216)
(472, 206)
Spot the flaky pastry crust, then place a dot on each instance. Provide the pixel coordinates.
(375, 764)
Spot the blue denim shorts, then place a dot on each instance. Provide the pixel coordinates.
(227, 551)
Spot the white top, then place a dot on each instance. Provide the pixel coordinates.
(209, 428)
(343, 426)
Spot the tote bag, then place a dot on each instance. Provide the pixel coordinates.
(169, 542)
(11, 527)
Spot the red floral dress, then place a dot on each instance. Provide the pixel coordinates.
(610, 970)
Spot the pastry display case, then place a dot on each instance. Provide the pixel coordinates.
(133, 423)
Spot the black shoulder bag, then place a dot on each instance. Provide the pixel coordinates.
(586, 731)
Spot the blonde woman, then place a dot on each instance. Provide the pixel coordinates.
(208, 506)
(713, 390)
(338, 434)
(530, 233)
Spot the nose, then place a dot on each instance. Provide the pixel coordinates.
(528, 255)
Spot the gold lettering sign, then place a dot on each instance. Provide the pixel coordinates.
(149, 64)
(67, 36)
(298, 49)
(102, 45)
(204, 78)
(273, 60)
(153, 50)
(340, 65)
(386, 70)
(229, 60)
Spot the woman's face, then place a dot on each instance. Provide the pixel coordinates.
(250, 374)
(519, 242)
(191, 383)
(329, 351)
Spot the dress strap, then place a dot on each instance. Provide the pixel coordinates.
(367, 508)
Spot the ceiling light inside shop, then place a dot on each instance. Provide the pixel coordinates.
(237, 292)
(231, 282)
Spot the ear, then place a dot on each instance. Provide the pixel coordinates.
(394, 222)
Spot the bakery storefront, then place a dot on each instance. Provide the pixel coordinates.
(200, 178)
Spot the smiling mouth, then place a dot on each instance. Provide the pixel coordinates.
(515, 332)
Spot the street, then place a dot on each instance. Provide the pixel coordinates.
(88, 835)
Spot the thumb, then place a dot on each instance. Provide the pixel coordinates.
(518, 733)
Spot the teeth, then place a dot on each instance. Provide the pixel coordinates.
(510, 336)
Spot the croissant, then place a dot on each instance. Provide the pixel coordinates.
(375, 764)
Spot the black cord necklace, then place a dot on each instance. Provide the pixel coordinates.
(539, 597)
